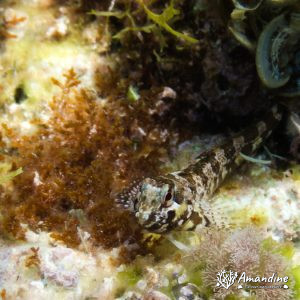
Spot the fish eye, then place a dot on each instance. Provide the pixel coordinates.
(168, 196)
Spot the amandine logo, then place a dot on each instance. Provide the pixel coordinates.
(225, 279)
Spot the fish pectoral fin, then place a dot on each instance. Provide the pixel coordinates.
(196, 219)
(150, 238)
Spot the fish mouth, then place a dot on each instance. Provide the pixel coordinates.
(150, 220)
(157, 221)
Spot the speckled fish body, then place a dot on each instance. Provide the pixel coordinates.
(179, 199)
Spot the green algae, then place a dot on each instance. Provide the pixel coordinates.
(6, 174)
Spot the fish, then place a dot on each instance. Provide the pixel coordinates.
(180, 200)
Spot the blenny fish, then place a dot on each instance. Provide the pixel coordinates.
(179, 200)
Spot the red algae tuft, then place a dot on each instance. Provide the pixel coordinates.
(89, 150)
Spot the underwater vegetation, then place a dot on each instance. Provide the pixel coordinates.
(195, 259)
(271, 29)
(268, 29)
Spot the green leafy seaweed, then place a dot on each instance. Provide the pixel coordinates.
(147, 29)
(296, 274)
(158, 22)
(162, 20)
(7, 175)
(130, 276)
(132, 94)
(116, 14)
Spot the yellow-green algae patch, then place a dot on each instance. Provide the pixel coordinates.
(45, 43)
(296, 273)
(6, 174)
(261, 199)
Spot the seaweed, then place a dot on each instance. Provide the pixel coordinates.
(6, 175)
(33, 259)
(296, 274)
(71, 155)
(132, 94)
(196, 265)
(3, 294)
(6, 24)
(166, 16)
(242, 250)
(130, 276)
(159, 21)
